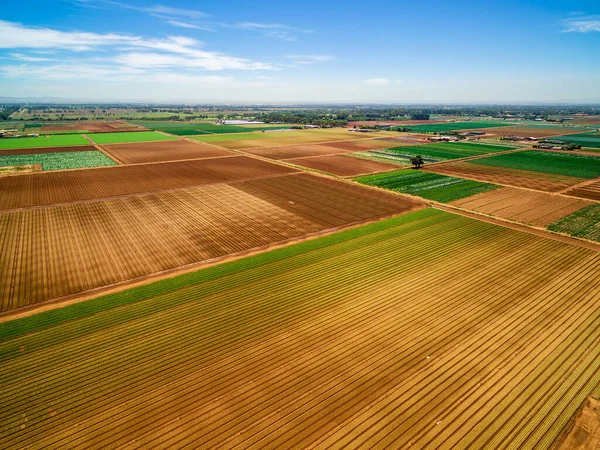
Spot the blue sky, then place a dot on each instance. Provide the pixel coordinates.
(302, 51)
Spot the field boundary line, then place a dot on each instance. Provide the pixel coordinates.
(97, 147)
(60, 302)
(577, 186)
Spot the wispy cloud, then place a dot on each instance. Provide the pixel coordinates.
(274, 30)
(125, 52)
(310, 59)
(26, 58)
(581, 24)
(66, 72)
(152, 9)
(378, 81)
(180, 24)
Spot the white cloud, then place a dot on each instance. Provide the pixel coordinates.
(378, 81)
(310, 59)
(274, 30)
(177, 23)
(21, 57)
(582, 24)
(196, 59)
(133, 51)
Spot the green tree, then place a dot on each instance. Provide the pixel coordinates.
(416, 161)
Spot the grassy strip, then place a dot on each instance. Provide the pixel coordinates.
(569, 164)
(47, 319)
(188, 129)
(431, 186)
(59, 161)
(132, 136)
(446, 151)
(584, 223)
(63, 140)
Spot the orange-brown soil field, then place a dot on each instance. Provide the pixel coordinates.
(535, 208)
(588, 190)
(93, 126)
(359, 146)
(344, 166)
(146, 152)
(295, 151)
(53, 252)
(439, 332)
(48, 188)
(525, 131)
(589, 120)
(501, 175)
(37, 151)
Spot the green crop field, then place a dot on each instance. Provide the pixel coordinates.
(584, 223)
(134, 136)
(425, 330)
(431, 186)
(454, 126)
(65, 140)
(59, 161)
(569, 164)
(584, 139)
(444, 151)
(194, 128)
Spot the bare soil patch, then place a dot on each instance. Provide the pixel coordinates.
(49, 188)
(343, 165)
(359, 146)
(58, 251)
(146, 152)
(512, 177)
(535, 208)
(294, 151)
(587, 190)
(585, 434)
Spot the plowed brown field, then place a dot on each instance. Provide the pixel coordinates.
(343, 165)
(512, 177)
(359, 146)
(37, 151)
(61, 187)
(441, 332)
(587, 190)
(56, 251)
(536, 208)
(145, 152)
(293, 151)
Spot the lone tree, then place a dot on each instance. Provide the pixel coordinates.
(416, 161)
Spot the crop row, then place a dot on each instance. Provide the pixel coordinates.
(374, 341)
(431, 186)
(59, 161)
